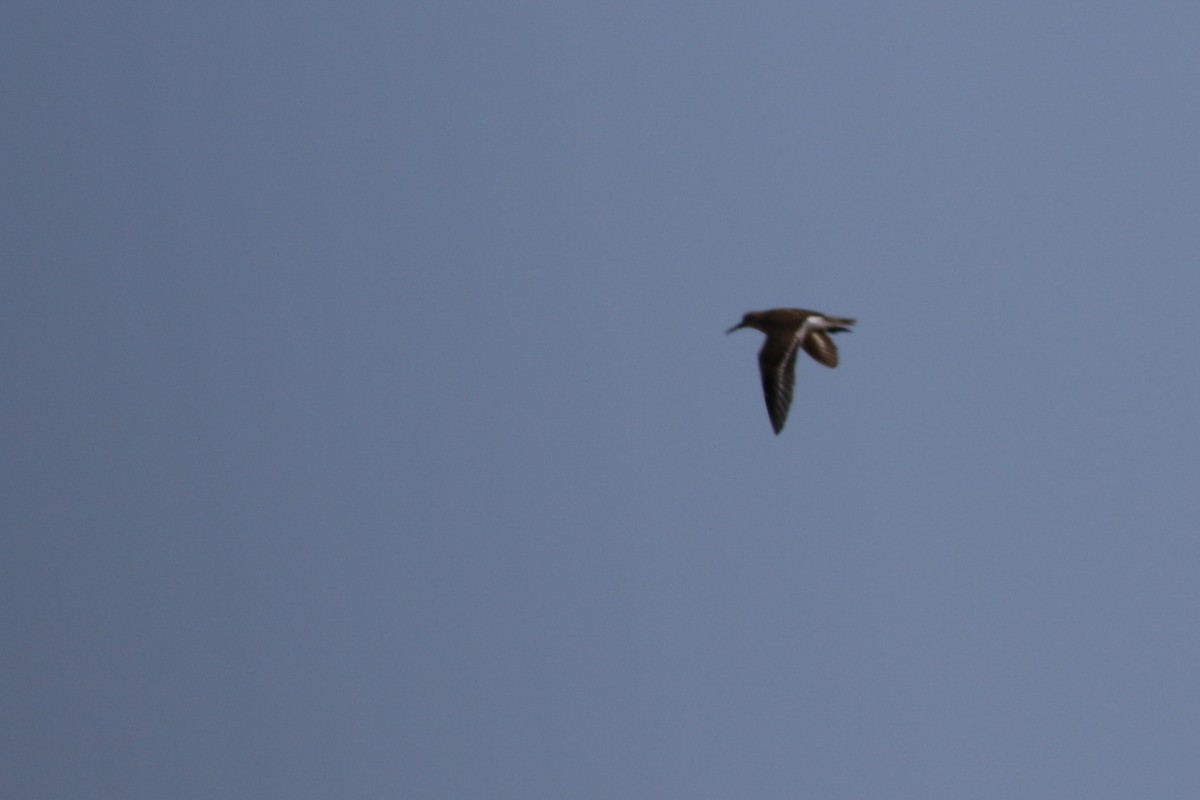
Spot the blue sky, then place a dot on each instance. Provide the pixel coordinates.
(371, 431)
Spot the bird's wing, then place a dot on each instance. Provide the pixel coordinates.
(777, 363)
(820, 346)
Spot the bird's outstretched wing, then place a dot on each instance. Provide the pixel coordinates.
(777, 363)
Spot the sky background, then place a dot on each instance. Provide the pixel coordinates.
(369, 429)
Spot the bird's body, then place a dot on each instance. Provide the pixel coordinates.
(788, 330)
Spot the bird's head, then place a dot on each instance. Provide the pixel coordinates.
(749, 320)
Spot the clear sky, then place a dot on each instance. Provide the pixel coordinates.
(370, 430)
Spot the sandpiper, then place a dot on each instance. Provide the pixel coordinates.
(787, 330)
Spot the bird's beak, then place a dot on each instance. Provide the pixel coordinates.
(735, 327)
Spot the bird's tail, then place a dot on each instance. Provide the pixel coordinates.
(840, 324)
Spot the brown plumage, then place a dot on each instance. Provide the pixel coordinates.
(788, 330)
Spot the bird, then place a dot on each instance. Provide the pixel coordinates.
(788, 330)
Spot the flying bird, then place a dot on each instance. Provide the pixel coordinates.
(788, 330)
